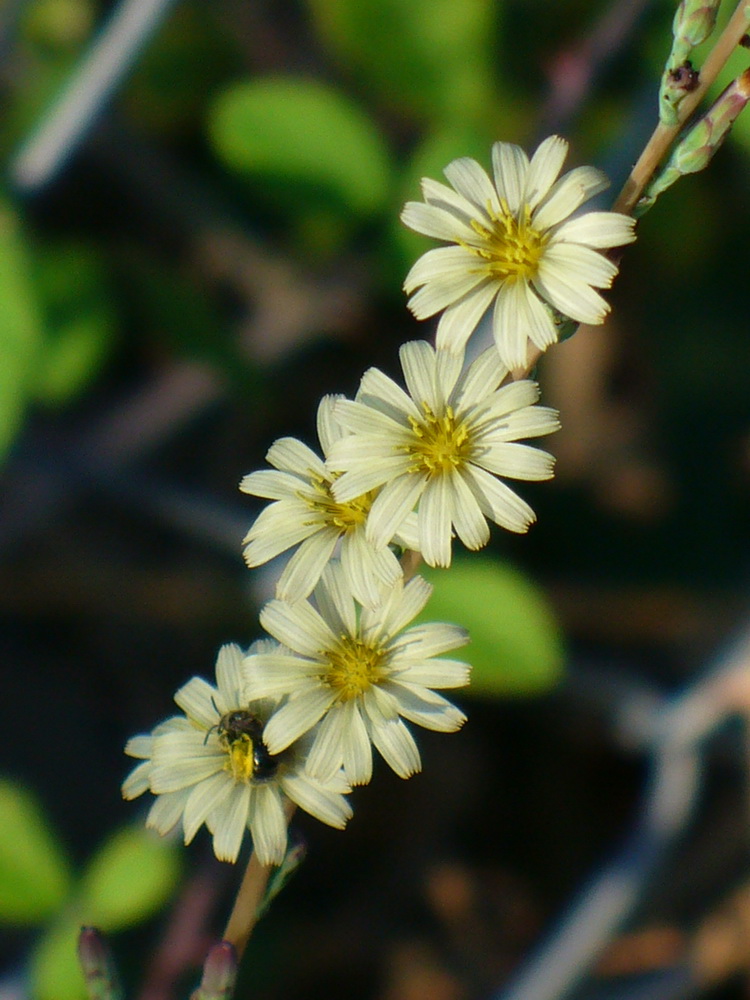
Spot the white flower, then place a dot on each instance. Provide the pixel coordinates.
(212, 766)
(516, 246)
(359, 671)
(442, 446)
(306, 514)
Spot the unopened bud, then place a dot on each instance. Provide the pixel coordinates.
(693, 22)
(219, 974)
(95, 957)
(697, 148)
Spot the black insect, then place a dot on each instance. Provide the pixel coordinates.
(241, 725)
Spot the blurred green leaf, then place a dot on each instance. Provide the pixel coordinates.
(80, 320)
(130, 877)
(54, 971)
(72, 356)
(20, 327)
(34, 875)
(301, 130)
(430, 57)
(53, 25)
(516, 645)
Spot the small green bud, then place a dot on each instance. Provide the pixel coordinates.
(699, 145)
(693, 22)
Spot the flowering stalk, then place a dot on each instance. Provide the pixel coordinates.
(694, 152)
(693, 22)
(664, 135)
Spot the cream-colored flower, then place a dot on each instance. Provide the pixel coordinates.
(441, 446)
(516, 246)
(353, 674)
(304, 513)
(212, 765)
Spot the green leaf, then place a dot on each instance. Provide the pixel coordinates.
(20, 327)
(54, 971)
(433, 58)
(34, 874)
(130, 877)
(302, 131)
(73, 355)
(516, 646)
(75, 297)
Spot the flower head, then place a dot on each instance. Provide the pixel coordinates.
(354, 673)
(212, 765)
(516, 246)
(442, 446)
(306, 514)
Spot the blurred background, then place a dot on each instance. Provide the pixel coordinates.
(199, 237)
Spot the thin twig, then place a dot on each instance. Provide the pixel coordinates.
(95, 79)
(247, 905)
(244, 915)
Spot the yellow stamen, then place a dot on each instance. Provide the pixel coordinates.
(511, 248)
(354, 667)
(443, 444)
(343, 516)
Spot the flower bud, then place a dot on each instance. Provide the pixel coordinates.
(693, 22)
(219, 973)
(698, 146)
(95, 957)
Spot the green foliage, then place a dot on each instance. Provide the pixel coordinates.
(432, 58)
(54, 970)
(129, 879)
(80, 320)
(516, 645)
(34, 874)
(298, 130)
(20, 327)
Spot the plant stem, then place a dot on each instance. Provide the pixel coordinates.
(244, 915)
(663, 136)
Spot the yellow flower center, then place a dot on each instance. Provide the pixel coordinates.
(343, 516)
(442, 444)
(511, 248)
(354, 667)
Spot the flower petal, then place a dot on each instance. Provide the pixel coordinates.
(267, 824)
(302, 572)
(510, 165)
(229, 822)
(327, 806)
(568, 194)
(460, 320)
(296, 717)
